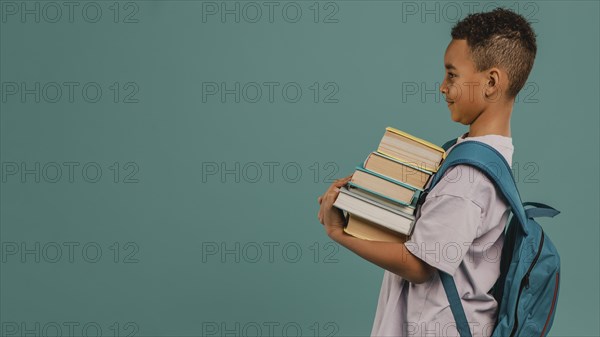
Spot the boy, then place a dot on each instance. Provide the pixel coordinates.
(460, 225)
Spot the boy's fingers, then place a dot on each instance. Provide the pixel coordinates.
(341, 182)
(334, 189)
(344, 179)
(330, 197)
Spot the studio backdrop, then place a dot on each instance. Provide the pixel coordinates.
(161, 160)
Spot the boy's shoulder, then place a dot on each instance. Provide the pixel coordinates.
(468, 182)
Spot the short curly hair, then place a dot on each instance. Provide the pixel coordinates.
(500, 38)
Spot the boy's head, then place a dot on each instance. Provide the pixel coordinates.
(488, 61)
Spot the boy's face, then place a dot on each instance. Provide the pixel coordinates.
(463, 86)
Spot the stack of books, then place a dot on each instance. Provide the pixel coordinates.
(380, 199)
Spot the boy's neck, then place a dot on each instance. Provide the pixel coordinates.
(495, 120)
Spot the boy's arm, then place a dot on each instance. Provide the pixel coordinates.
(392, 256)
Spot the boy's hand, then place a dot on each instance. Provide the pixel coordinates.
(332, 217)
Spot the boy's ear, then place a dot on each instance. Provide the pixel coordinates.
(492, 89)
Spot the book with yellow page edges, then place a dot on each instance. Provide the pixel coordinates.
(411, 150)
(380, 199)
(367, 230)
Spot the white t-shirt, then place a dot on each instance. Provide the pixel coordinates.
(459, 230)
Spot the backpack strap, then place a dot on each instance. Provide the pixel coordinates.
(486, 158)
(462, 325)
(540, 210)
(449, 144)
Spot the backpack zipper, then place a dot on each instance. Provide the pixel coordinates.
(525, 283)
(552, 306)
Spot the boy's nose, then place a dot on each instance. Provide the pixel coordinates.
(443, 88)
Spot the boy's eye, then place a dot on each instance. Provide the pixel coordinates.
(451, 75)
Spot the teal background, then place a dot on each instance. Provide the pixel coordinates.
(164, 215)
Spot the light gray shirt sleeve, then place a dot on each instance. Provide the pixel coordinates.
(445, 231)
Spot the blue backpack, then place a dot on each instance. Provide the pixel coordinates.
(527, 289)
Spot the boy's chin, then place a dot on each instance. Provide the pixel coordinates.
(456, 117)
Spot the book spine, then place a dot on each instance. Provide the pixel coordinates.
(411, 204)
(397, 182)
